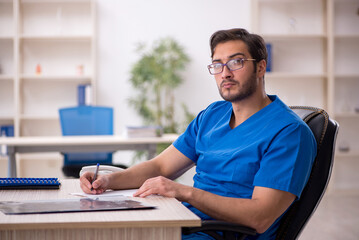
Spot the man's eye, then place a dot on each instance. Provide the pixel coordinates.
(236, 61)
(217, 66)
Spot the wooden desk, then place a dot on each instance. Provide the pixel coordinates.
(79, 144)
(164, 222)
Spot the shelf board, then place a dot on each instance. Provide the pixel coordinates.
(347, 115)
(293, 36)
(63, 78)
(70, 37)
(5, 77)
(38, 118)
(6, 118)
(7, 38)
(347, 36)
(281, 1)
(346, 154)
(347, 76)
(56, 1)
(284, 75)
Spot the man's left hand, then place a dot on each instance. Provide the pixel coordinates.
(164, 187)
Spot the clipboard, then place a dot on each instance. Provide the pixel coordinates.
(71, 205)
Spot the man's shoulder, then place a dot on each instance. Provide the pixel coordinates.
(214, 111)
(218, 106)
(283, 114)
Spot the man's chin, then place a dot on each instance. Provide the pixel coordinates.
(233, 97)
(230, 98)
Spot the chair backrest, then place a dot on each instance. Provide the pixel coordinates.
(86, 120)
(325, 131)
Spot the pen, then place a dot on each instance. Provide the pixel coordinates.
(95, 176)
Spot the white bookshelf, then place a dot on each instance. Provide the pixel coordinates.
(346, 81)
(315, 54)
(58, 35)
(7, 34)
(298, 35)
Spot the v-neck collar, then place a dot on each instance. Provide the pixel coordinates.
(253, 116)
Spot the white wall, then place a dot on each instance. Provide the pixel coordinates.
(123, 24)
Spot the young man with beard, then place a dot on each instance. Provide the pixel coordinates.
(253, 155)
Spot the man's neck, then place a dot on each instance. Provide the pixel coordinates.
(244, 109)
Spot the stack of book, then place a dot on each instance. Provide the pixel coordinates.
(143, 131)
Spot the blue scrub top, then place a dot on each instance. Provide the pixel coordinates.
(273, 148)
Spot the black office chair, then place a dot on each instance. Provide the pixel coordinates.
(325, 131)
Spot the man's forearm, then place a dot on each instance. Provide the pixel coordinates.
(259, 212)
(170, 163)
(133, 177)
(233, 210)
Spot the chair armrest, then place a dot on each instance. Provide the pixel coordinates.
(229, 230)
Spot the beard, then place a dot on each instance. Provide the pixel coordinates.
(245, 91)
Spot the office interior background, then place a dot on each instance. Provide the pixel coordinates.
(49, 47)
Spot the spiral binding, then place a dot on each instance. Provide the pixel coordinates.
(29, 183)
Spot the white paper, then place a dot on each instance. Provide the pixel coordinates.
(110, 193)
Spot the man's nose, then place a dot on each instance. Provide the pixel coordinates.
(226, 73)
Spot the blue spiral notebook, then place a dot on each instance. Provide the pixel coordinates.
(29, 183)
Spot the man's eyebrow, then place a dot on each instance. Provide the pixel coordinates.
(231, 56)
(236, 54)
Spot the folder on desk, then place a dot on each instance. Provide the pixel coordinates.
(71, 205)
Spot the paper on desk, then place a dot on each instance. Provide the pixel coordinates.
(125, 193)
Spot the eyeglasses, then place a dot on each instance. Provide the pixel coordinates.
(233, 64)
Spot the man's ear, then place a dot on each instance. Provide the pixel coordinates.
(261, 68)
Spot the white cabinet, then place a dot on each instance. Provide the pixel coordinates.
(7, 112)
(315, 56)
(297, 33)
(346, 90)
(47, 48)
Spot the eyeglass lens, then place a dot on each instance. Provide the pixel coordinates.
(232, 65)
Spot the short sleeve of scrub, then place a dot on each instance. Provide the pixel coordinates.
(186, 142)
(291, 155)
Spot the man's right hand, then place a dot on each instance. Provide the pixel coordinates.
(99, 186)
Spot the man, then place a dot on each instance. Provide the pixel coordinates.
(253, 155)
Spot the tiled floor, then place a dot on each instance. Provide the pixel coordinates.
(336, 218)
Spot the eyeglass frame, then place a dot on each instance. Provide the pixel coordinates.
(226, 64)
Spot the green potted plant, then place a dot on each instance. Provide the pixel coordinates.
(155, 76)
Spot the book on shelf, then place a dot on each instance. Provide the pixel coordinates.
(84, 94)
(143, 131)
(269, 58)
(7, 130)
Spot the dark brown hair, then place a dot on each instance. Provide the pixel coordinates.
(255, 43)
